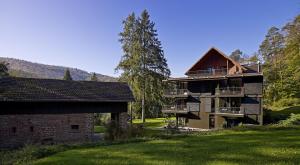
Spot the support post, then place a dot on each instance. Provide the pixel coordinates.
(176, 121)
(227, 67)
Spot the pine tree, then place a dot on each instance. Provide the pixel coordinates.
(94, 77)
(143, 63)
(67, 75)
(3, 69)
(271, 51)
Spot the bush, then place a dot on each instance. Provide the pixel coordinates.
(294, 119)
(287, 102)
(29, 153)
(113, 131)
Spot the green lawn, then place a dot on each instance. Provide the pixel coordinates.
(262, 145)
(99, 129)
(152, 123)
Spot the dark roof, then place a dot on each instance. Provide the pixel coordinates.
(39, 90)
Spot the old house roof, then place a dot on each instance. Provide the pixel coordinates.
(40, 90)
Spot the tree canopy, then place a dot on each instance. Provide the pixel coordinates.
(280, 51)
(143, 64)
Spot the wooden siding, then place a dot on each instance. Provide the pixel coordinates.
(253, 85)
(252, 105)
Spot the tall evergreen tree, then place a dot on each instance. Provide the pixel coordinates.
(3, 69)
(236, 55)
(67, 75)
(143, 63)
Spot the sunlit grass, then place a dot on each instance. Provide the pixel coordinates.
(153, 122)
(257, 146)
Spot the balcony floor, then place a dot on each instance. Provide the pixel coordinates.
(230, 114)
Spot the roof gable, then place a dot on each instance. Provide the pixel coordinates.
(212, 52)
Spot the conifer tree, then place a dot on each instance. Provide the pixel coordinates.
(3, 69)
(67, 75)
(143, 63)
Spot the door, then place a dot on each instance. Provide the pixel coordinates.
(211, 121)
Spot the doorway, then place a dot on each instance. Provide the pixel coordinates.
(211, 121)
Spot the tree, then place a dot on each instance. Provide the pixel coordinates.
(291, 69)
(272, 45)
(236, 55)
(94, 77)
(143, 63)
(281, 56)
(3, 69)
(271, 50)
(67, 75)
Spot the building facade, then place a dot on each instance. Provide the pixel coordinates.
(43, 111)
(217, 92)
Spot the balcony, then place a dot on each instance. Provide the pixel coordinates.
(175, 109)
(230, 92)
(230, 111)
(208, 72)
(176, 93)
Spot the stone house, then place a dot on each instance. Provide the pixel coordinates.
(47, 111)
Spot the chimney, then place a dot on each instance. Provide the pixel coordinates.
(258, 67)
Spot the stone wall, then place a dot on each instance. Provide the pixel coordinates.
(123, 117)
(17, 130)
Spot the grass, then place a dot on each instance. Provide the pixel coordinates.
(152, 123)
(99, 129)
(261, 145)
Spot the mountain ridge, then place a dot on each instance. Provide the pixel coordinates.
(23, 68)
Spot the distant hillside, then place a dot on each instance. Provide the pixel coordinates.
(21, 68)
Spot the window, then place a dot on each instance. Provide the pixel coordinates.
(75, 127)
(31, 129)
(14, 130)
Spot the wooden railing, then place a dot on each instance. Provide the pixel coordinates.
(231, 110)
(212, 72)
(176, 92)
(230, 91)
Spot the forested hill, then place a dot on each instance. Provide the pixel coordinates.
(21, 68)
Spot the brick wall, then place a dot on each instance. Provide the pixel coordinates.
(16, 130)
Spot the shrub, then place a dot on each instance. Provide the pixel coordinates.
(287, 102)
(113, 131)
(294, 119)
(29, 153)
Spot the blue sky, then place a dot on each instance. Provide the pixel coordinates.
(84, 33)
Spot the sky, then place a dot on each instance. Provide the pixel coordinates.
(83, 34)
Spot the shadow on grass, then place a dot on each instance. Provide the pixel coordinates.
(279, 146)
(271, 116)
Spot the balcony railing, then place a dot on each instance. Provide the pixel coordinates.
(230, 110)
(210, 72)
(174, 92)
(180, 107)
(230, 91)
